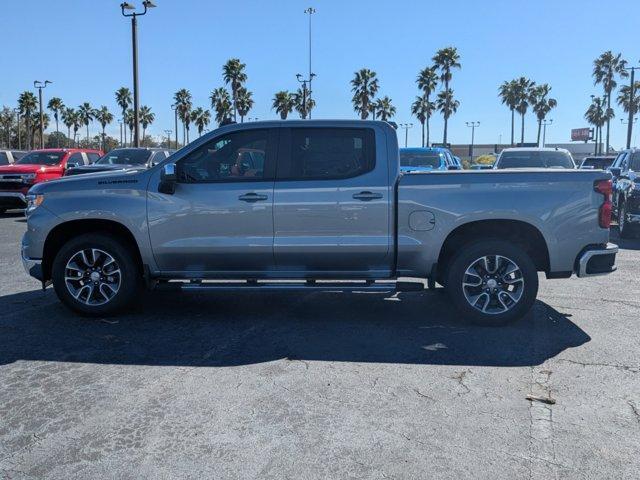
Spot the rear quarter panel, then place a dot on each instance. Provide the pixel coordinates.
(562, 205)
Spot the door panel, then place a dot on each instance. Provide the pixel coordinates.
(219, 220)
(331, 226)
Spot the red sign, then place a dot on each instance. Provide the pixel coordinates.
(580, 134)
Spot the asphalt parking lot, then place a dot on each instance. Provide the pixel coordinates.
(322, 385)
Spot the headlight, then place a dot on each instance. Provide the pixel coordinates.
(28, 177)
(33, 202)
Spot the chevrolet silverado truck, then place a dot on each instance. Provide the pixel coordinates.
(38, 166)
(322, 205)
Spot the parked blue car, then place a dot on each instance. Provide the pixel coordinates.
(427, 159)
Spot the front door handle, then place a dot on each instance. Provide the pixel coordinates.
(367, 196)
(252, 197)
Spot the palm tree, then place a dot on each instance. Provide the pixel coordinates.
(524, 89)
(35, 123)
(427, 81)
(447, 105)
(123, 99)
(422, 109)
(597, 117)
(303, 103)
(507, 93)
(130, 121)
(27, 103)
(624, 97)
(284, 103)
(445, 60)
(201, 119)
(364, 87)
(542, 104)
(233, 74)
(85, 112)
(146, 117)
(104, 117)
(385, 109)
(244, 102)
(605, 68)
(182, 99)
(55, 105)
(221, 104)
(68, 118)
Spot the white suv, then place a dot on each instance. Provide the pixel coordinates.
(534, 158)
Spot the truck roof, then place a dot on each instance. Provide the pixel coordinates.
(535, 149)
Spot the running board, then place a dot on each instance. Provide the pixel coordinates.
(309, 285)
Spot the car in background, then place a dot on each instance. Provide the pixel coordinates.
(123, 159)
(598, 162)
(626, 192)
(427, 159)
(9, 157)
(35, 167)
(531, 157)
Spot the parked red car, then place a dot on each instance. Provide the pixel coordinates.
(35, 167)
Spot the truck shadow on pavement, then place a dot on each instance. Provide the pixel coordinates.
(214, 330)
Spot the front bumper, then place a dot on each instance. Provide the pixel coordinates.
(13, 200)
(33, 266)
(597, 261)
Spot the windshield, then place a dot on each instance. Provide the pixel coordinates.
(601, 163)
(421, 159)
(41, 158)
(535, 159)
(127, 156)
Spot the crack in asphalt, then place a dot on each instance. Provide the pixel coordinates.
(629, 368)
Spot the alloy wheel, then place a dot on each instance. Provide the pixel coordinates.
(92, 276)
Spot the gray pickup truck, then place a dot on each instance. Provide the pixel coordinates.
(303, 205)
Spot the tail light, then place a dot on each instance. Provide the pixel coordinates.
(604, 187)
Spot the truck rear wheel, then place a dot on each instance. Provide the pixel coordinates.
(492, 282)
(96, 275)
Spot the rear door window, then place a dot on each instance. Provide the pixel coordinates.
(635, 162)
(75, 160)
(93, 157)
(327, 153)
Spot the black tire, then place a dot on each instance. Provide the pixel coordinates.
(526, 292)
(625, 229)
(3, 211)
(130, 279)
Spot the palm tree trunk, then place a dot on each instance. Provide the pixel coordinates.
(68, 136)
(522, 132)
(513, 123)
(143, 135)
(428, 132)
(608, 121)
(539, 129)
(422, 134)
(125, 128)
(57, 132)
(444, 136)
(87, 134)
(102, 146)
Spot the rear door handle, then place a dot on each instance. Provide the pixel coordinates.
(252, 197)
(367, 196)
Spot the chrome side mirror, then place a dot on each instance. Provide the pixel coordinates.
(168, 179)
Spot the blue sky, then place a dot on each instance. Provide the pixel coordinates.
(85, 48)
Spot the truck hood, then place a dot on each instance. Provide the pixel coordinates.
(9, 169)
(101, 168)
(98, 180)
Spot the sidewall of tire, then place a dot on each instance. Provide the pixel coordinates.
(130, 287)
(471, 252)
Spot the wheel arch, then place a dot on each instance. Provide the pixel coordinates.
(64, 232)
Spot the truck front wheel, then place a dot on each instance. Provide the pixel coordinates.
(492, 282)
(96, 275)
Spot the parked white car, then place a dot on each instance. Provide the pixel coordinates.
(528, 157)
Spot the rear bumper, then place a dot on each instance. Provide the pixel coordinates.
(597, 261)
(13, 200)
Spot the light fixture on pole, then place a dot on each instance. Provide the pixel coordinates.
(305, 94)
(472, 126)
(40, 85)
(406, 127)
(544, 130)
(147, 4)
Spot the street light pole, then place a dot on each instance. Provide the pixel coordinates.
(40, 85)
(406, 127)
(473, 126)
(632, 107)
(134, 41)
(120, 123)
(305, 97)
(174, 107)
(544, 130)
(310, 11)
(168, 132)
